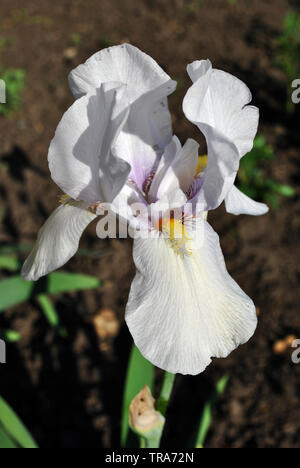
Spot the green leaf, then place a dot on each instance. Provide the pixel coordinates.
(252, 175)
(14, 79)
(272, 199)
(259, 142)
(10, 336)
(67, 282)
(288, 52)
(14, 428)
(48, 309)
(207, 415)
(51, 314)
(13, 249)
(5, 441)
(9, 263)
(140, 373)
(284, 190)
(15, 290)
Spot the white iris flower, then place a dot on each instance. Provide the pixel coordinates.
(115, 145)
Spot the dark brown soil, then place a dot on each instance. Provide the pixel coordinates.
(68, 391)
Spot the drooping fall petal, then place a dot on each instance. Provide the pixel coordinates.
(185, 309)
(58, 240)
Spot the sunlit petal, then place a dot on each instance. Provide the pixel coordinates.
(238, 203)
(148, 129)
(217, 103)
(80, 158)
(58, 240)
(175, 171)
(184, 310)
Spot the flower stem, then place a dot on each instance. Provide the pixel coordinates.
(152, 439)
(165, 394)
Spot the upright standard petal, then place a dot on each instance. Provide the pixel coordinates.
(217, 103)
(80, 155)
(127, 206)
(176, 170)
(148, 129)
(183, 309)
(141, 141)
(238, 203)
(167, 158)
(124, 64)
(58, 240)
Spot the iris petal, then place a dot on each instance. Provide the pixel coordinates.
(217, 103)
(184, 311)
(238, 203)
(58, 240)
(148, 128)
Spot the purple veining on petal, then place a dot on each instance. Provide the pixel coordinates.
(195, 187)
(147, 183)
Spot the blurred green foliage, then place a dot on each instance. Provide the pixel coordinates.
(14, 79)
(252, 179)
(50, 314)
(105, 42)
(10, 336)
(14, 290)
(191, 7)
(25, 16)
(9, 262)
(207, 415)
(13, 433)
(288, 52)
(76, 39)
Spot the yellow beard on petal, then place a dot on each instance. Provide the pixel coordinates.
(202, 164)
(66, 200)
(176, 235)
